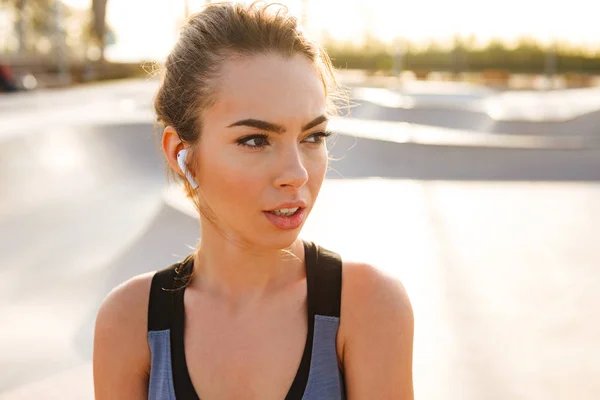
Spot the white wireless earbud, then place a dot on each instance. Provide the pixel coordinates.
(181, 157)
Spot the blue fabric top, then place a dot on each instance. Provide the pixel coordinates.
(318, 376)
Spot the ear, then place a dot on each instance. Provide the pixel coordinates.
(176, 154)
(171, 145)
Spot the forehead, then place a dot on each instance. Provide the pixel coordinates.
(268, 87)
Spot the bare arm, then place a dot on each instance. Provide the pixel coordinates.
(377, 332)
(121, 359)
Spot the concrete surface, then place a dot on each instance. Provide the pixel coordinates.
(497, 247)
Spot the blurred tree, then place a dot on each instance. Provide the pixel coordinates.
(20, 10)
(527, 56)
(99, 25)
(32, 24)
(459, 55)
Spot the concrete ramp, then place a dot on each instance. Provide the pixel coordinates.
(80, 211)
(496, 244)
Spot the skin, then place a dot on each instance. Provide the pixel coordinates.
(245, 309)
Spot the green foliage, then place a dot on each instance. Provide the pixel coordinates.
(527, 56)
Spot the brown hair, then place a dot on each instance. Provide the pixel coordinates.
(222, 30)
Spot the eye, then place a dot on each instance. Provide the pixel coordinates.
(317, 137)
(254, 141)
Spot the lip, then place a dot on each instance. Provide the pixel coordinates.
(293, 204)
(287, 223)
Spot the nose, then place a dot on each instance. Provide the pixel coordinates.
(291, 171)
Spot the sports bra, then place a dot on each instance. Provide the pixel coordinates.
(318, 376)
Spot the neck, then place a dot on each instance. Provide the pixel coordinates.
(243, 273)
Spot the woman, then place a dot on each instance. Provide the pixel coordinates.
(254, 312)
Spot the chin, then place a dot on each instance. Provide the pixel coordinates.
(275, 240)
(283, 240)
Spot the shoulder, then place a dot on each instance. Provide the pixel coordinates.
(376, 333)
(121, 351)
(369, 294)
(126, 304)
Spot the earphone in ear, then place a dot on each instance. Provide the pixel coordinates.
(181, 157)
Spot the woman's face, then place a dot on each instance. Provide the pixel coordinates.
(262, 148)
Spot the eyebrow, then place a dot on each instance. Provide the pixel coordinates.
(271, 127)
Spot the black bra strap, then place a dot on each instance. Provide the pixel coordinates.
(326, 272)
(166, 283)
(160, 307)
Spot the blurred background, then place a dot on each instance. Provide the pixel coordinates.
(468, 166)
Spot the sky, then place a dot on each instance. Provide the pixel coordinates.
(148, 29)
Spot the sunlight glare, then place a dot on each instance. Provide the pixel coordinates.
(147, 30)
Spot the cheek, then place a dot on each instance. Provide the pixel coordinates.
(316, 166)
(224, 177)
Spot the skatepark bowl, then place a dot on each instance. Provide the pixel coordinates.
(490, 220)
